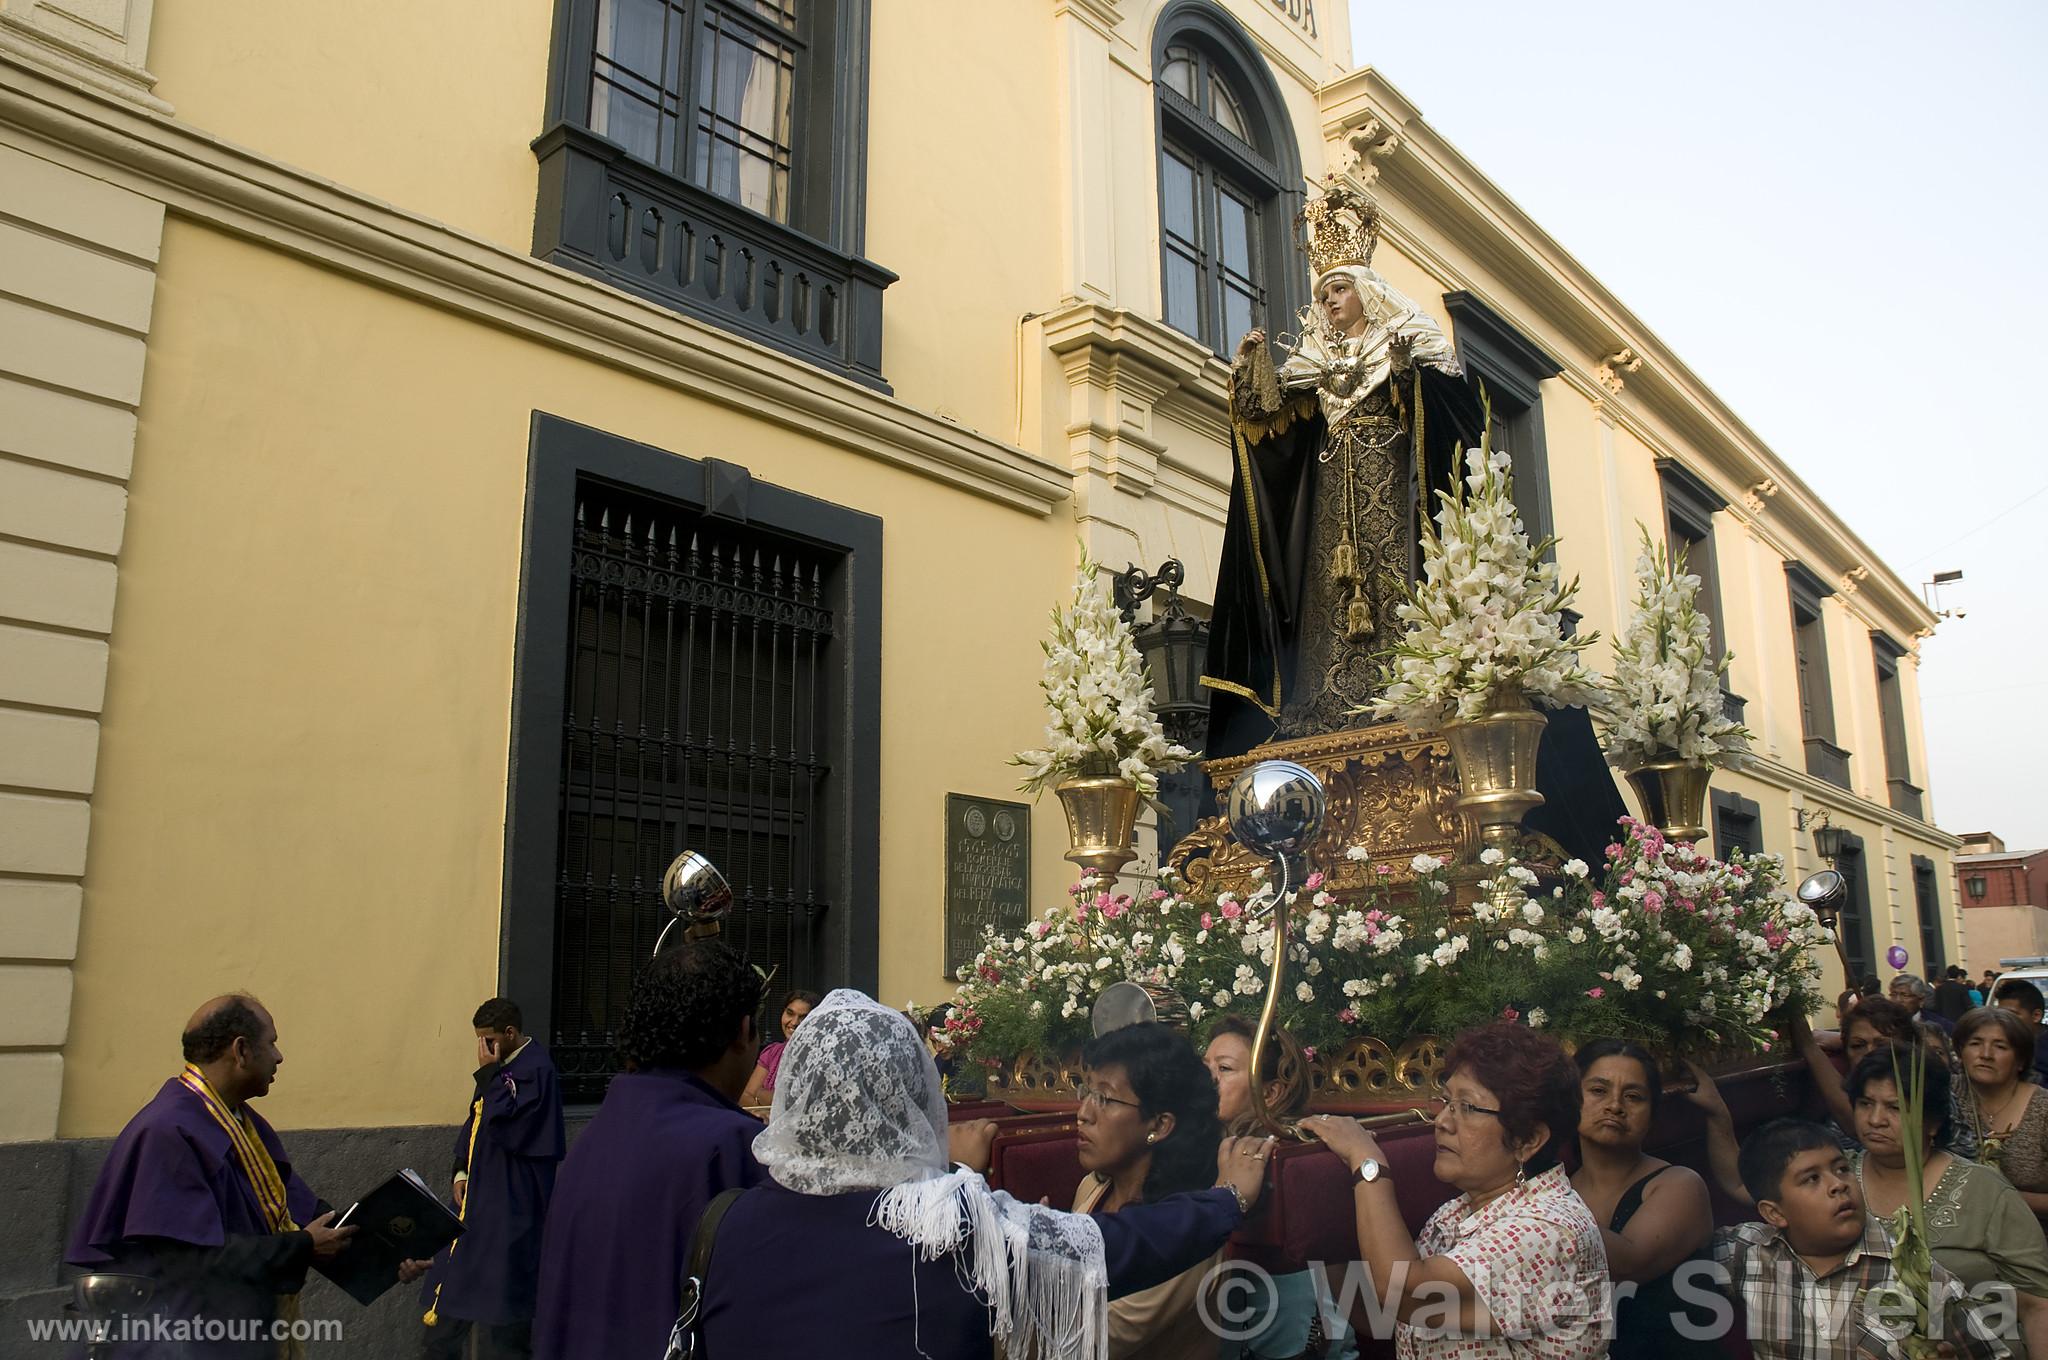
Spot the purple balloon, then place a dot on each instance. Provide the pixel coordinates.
(1896, 956)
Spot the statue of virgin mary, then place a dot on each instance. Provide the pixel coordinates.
(1336, 454)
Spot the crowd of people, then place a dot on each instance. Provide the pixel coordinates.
(857, 1220)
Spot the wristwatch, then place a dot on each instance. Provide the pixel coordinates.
(1369, 1171)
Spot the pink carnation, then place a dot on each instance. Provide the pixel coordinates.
(1348, 1016)
(1596, 992)
(1315, 881)
(1207, 920)
(1231, 910)
(1653, 900)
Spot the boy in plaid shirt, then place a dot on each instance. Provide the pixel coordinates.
(1807, 1276)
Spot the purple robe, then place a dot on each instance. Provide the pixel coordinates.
(491, 1273)
(662, 1145)
(172, 1202)
(800, 1276)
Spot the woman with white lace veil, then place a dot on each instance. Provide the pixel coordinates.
(864, 1242)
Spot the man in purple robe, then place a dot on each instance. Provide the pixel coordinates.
(668, 1138)
(197, 1194)
(505, 1158)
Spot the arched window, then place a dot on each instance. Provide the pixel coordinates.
(1228, 182)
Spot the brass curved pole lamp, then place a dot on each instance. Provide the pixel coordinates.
(1275, 809)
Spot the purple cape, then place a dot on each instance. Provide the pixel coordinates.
(172, 1202)
(491, 1272)
(662, 1145)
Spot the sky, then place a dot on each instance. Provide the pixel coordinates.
(1833, 214)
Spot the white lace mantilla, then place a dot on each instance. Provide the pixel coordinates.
(858, 1106)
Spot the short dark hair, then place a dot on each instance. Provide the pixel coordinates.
(1870, 986)
(1168, 1078)
(1891, 1064)
(2019, 1035)
(810, 999)
(1531, 1077)
(1892, 1021)
(1769, 1150)
(1622, 1048)
(2022, 991)
(1283, 1055)
(498, 1013)
(687, 1007)
(239, 1017)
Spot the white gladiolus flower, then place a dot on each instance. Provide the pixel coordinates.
(1098, 700)
(1485, 620)
(1665, 701)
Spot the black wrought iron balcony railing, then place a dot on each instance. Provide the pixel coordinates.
(604, 213)
(1825, 760)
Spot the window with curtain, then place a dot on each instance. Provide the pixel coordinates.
(711, 154)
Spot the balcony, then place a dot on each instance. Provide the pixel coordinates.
(1825, 760)
(604, 213)
(1733, 705)
(1906, 798)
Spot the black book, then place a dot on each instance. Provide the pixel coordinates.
(401, 1220)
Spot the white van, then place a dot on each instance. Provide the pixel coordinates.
(2033, 968)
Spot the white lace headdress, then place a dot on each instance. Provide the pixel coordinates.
(858, 1106)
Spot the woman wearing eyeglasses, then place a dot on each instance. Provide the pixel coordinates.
(1514, 1266)
(1148, 1129)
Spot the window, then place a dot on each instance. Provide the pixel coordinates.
(1512, 369)
(1738, 823)
(1855, 917)
(1891, 714)
(1927, 897)
(1227, 164)
(712, 154)
(689, 676)
(1824, 759)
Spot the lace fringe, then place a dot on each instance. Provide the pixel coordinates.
(1041, 1304)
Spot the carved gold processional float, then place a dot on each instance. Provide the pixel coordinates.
(1374, 884)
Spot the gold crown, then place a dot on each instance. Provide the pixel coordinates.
(1343, 227)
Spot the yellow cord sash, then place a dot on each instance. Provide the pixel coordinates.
(432, 1317)
(259, 1168)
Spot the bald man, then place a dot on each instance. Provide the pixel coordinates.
(198, 1194)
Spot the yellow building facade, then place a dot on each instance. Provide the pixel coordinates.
(319, 326)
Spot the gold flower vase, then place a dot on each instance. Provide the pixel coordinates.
(1102, 821)
(1674, 796)
(1496, 758)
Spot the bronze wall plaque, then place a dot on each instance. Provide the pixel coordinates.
(988, 872)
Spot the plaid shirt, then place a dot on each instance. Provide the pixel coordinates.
(1793, 1314)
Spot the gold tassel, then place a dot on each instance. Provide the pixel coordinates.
(1343, 562)
(1358, 620)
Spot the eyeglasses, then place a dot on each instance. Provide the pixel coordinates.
(1095, 1095)
(1459, 1110)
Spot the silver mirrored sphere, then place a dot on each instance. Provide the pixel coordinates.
(694, 890)
(104, 1295)
(1824, 889)
(1275, 809)
(1137, 1003)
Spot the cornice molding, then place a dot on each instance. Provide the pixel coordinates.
(252, 196)
(1833, 796)
(33, 44)
(1445, 189)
